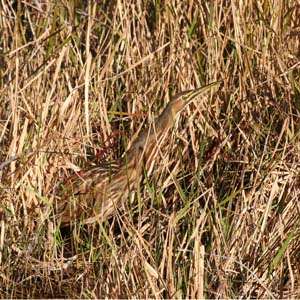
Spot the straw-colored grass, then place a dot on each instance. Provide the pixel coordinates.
(217, 214)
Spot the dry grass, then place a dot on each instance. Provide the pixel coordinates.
(218, 214)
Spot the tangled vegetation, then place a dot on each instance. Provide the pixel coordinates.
(217, 215)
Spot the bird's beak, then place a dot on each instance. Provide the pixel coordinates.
(180, 100)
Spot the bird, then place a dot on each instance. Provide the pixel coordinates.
(99, 191)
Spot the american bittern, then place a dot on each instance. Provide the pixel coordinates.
(100, 190)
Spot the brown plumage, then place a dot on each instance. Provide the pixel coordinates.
(100, 190)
